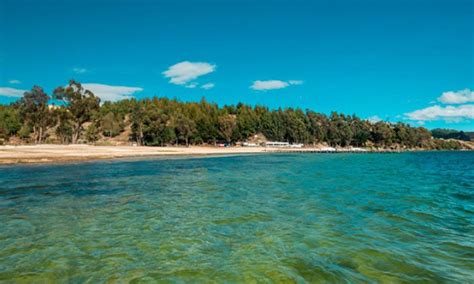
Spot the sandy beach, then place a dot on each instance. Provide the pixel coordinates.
(48, 153)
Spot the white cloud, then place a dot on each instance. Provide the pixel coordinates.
(191, 85)
(459, 97)
(184, 72)
(14, 82)
(448, 113)
(208, 86)
(268, 85)
(295, 82)
(11, 92)
(78, 70)
(273, 84)
(111, 93)
(374, 119)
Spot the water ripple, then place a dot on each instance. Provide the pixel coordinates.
(269, 218)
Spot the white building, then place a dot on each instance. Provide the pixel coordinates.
(248, 144)
(277, 144)
(296, 145)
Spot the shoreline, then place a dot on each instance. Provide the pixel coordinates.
(53, 153)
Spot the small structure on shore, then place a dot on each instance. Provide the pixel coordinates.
(296, 145)
(249, 144)
(277, 144)
(357, 149)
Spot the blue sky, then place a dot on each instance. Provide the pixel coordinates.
(392, 60)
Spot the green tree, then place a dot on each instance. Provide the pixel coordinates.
(9, 122)
(92, 133)
(185, 127)
(247, 121)
(156, 129)
(25, 131)
(137, 118)
(334, 136)
(382, 134)
(317, 125)
(277, 131)
(295, 126)
(80, 103)
(423, 137)
(227, 125)
(35, 112)
(63, 128)
(111, 125)
(207, 123)
(360, 131)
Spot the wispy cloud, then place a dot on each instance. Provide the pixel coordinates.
(459, 97)
(273, 84)
(78, 70)
(111, 93)
(295, 82)
(208, 86)
(374, 118)
(184, 72)
(14, 82)
(447, 113)
(191, 85)
(11, 92)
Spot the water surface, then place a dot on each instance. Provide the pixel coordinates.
(352, 218)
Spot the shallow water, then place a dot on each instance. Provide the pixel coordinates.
(352, 218)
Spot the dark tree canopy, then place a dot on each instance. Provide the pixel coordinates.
(450, 134)
(10, 122)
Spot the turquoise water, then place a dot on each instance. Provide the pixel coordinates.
(353, 218)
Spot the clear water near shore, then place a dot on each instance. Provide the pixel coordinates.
(283, 217)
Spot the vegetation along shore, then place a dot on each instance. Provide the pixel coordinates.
(74, 115)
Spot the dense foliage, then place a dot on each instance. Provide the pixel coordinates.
(450, 134)
(9, 121)
(78, 116)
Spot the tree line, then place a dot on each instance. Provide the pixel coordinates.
(452, 134)
(77, 116)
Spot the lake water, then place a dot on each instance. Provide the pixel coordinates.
(352, 218)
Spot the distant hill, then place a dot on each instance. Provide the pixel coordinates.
(452, 134)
